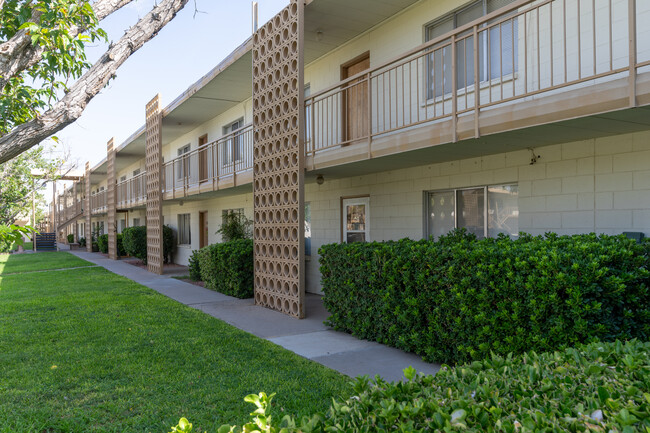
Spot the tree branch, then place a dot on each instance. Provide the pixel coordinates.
(71, 106)
(18, 53)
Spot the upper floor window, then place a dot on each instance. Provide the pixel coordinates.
(497, 49)
(231, 150)
(483, 211)
(183, 164)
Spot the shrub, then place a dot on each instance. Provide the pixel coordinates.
(459, 299)
(194, 266)
(599, 388)
(134, 240)
(82, 242)
(235, 226)
(228, 267)
(119, 239)
(70, 238)
(102, 243)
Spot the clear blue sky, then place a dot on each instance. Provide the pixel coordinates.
(185, 50)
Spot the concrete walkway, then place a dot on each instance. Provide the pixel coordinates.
(309, 337)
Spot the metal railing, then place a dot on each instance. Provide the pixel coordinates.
(132, 192)
(98, 202)
(210, 163)
(69, 205)
(522, 50)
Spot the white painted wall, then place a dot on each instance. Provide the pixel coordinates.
(214, 207)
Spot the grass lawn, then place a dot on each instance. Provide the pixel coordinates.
(87, 350)
(14, 263)
(26, 246)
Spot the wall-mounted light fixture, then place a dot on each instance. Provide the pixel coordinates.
(319, 35)
(320, 179)
(535, 157)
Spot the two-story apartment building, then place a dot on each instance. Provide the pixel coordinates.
(377, 120)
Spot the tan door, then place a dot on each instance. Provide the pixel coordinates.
(203, 158)
(203, 223)
(355, 99)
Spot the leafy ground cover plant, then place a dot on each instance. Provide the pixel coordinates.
(460, 298)
(601, 387)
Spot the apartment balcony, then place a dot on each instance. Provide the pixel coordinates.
(98, 203)
(224, 163)
(132, 193)
(582, 64)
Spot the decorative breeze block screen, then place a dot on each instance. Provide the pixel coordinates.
(110, 201)
(278, 190)
(154, 197)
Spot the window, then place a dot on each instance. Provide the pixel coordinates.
(307, 229)
(356, 215)
(307, 115)
(121, 225)
(123, 178)
(184, 233)
(183, 164)
(226, 212)
(137, 171)
(497, 49)
(231, 150)
(136, 222)
(484, 211)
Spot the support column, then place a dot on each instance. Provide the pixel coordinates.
(111, 202)
(87, 211)
(154, 196)
(278, 164)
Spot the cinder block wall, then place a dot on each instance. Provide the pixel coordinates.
(598, 185)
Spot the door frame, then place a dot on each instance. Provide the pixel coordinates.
(365, 199)
(203, 224)
(344, 94)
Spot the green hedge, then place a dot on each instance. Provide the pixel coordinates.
(134, 240)
(102, 243)
(194, 267)
(228, 267)
(601, 387)
(459, 299)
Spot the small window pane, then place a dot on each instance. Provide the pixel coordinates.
(471, 211)
(503, 210)
(356, 219)
(356, 237)
(441, 213)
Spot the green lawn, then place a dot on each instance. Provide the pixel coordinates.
(87, 350)
(14, 263)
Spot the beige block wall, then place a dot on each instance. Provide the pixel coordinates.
(600, 185)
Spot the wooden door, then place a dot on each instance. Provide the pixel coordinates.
(203, 224)
(355, 99)
(203, 158)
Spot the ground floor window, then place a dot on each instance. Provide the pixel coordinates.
(356, 217)
(483, 211)
(136, 222)
(184, 233)
(226, 212)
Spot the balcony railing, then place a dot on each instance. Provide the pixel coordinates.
(132, 192)
(68, 205)
(98, 202)
(204, 167)
(522, 50)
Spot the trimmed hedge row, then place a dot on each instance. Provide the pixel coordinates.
(459, 299)
(135, 242)
(226, 267)
(102, 244)
(601, 387)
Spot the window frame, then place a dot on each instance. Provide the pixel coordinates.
(181, 226)
(183, 165)
(355, 200)
(486, 205)
(431, 95)
(232, 151)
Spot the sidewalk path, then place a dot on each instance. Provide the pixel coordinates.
(309, 337)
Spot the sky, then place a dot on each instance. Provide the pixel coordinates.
(186, 49)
